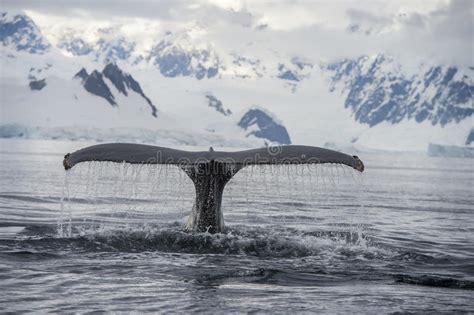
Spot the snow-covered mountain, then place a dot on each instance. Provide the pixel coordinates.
(378, 90)
(175, 56)
(179, 85)
(18, 31)
(107, 46)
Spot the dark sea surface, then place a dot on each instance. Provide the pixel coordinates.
(110, 237)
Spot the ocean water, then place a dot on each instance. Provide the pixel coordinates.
(110, 237)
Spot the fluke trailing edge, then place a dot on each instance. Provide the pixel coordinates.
(209, 170)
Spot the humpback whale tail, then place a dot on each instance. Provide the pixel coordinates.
(209, 170)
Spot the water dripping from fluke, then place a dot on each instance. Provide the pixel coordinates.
(150, 167)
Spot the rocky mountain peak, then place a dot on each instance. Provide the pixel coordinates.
(37, 84)
(261, 124)
(115, 74)
(95, 84)
(217, 105)
(82, 74)
(123, 82)
(470, 137)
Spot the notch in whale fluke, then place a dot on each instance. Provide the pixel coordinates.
(209, 170)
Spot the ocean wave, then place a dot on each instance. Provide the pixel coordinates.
(237, 240)
(435, 281)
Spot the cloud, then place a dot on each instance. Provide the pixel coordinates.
(105, 9)
(454, 21)
(446, 34)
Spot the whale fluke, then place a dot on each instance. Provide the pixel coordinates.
(209, 170)
(148, 154)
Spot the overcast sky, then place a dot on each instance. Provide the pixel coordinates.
(440, 29)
